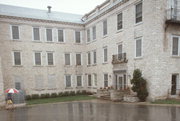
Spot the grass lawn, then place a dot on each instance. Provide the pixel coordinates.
(167, 101)
(59, 99)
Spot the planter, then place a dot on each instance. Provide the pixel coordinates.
(130, 98)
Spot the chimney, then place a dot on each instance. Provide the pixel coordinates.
(49, 9)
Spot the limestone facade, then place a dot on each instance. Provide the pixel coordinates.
(156, 62)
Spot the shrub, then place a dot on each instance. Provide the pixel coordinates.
(43, 96)
(83, 92)
(54, 95)
(139, 85)
(47, 95)
(66, 93)
(72, 93)
(60, 94)
(28, 97)
(35, 96)
(78, 92)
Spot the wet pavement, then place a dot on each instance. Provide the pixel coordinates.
(92, 111)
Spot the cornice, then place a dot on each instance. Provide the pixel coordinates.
(41, 20)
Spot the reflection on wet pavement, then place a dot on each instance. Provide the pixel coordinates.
(91, 111)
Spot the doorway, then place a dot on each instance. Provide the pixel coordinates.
(174, 84)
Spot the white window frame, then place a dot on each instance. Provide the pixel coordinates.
(94, 56)
(70, 80)
(80, 36)
(141, 47)
(64, 38)
(52, 34)
(117, 21)
(47, 58)
(70, 54)
(88, 80)
(107, 79)
(14, 57)
(172, 46)
(33, 34)
(81, 59)
(135, 13)
(34, 58)
(88, 58)
(104, 53)
(81, 80)
(12, 32)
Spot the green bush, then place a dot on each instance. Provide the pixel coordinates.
(72, 93)
(28, 97)
(66, 93)
(43, 96)
(35, 96)
(83, 92)
(139, 85)
(60, 94)
(47, 95)
(54, 95)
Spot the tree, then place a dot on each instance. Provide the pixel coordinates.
(139, 85)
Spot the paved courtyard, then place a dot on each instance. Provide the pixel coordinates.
(92, 111)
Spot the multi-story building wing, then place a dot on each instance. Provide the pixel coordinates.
(47, 51)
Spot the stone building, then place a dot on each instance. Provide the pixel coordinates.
(47, 51)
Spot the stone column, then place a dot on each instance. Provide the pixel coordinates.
(2, 97)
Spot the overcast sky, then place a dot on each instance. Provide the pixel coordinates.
(69, 6)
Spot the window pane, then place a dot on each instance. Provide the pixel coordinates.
(37, 58)
(17, 58)
(50, 59)
(119, 21)
(105, 80)
(60, 36)
(119, 49)
(49, 34)
(89, 80)
(18, 85)
(89, 58)
(95, 79)
(94, 53)
(105, 54)
(79, 81)
(88, 36)
(138, 48)
(36, 33)
(105, 27)
(15, 32)
(78, 36)
(68, 81)
(139, 13)
(78, 59)
(67, 59)
(94, 32)
(175, 46)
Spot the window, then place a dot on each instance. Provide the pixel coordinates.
(105, 80)
(139, 12)
(89, 58)
(18, 85)
(119, 21)
(95, 79)
(78, 59)
(67, 59)
(104, 27)
(176, 46)
(94, 32)
(94, 56)
(105, 54)
(17, 58)
(50, 58)
(120, 49)
(79, 81)
(88, 35)
(49, 37)
(15, 32)
(68, 80)
(37, 57)
(78, 36)
(36, 34)
(138, 47)
(89, 81)
(60, 35)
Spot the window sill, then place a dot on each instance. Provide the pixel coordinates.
(60, 42)
(52, 89)
(105, 63)
(16, 40)
(105, 36)
(78, 43)
(79, 65)
(37, 66)
(139, 23)
(94, 64)
(50, 65)
(68, 66)
(118, 31)
(68, 87)
(17, 66)
(138, 58)
(88, 65)
(79, 87)
(175, 56)
(49, 42)
(37, 41)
